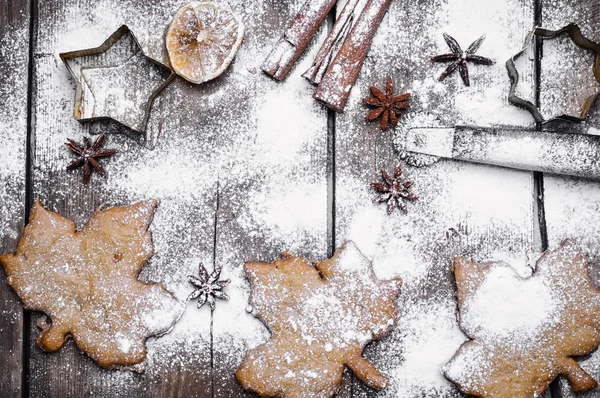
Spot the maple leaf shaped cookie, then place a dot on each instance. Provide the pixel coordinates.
(525, 331)
(86, 283)
(320, 316)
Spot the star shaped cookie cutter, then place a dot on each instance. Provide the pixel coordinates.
(574, 33)
(101, 74)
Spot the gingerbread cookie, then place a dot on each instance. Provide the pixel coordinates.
(321, 316)
(86, 283)
(525, 331)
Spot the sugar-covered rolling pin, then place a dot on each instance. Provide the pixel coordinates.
(549, 152)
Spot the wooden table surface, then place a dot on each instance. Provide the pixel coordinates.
(235, 189)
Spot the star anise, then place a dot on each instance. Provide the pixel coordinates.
(394, 190)
(386, 105)
(459, 58)
(208, 287)
(88, 155)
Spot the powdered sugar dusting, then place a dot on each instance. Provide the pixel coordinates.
(507, 304)
(186, 344)
(430, 335)
(368, 228)
(13, 127)
(290, 202)
(562, 56)
(572, 211)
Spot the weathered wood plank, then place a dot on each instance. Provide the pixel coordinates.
(14, 71)
(491, 209)
(571, 205)
(272, 183)
(180, 172)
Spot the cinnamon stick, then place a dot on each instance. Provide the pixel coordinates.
(294, 40)
(331, 44)
(342, 73)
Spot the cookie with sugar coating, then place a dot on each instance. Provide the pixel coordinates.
(321, 315)
(525, 330)
(85, 282)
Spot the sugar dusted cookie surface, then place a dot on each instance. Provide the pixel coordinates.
(321, 316)
(525, 331)
(86, 283)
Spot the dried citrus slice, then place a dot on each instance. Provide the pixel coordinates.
(202, 40)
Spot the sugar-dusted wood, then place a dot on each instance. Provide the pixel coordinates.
(272, 183)
(479, 211)
(14, 60)
(571, 205)
(181, 172)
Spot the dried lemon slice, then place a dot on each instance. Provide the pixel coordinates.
(202, 40)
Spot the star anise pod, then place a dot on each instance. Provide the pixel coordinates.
(208, 287)
(88, 155)
(388, 106)
(459, 58)
(394, 190)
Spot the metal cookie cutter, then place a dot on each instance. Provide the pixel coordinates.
(574, 33)
(116, 81)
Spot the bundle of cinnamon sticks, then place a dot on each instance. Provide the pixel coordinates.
(340, 58)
